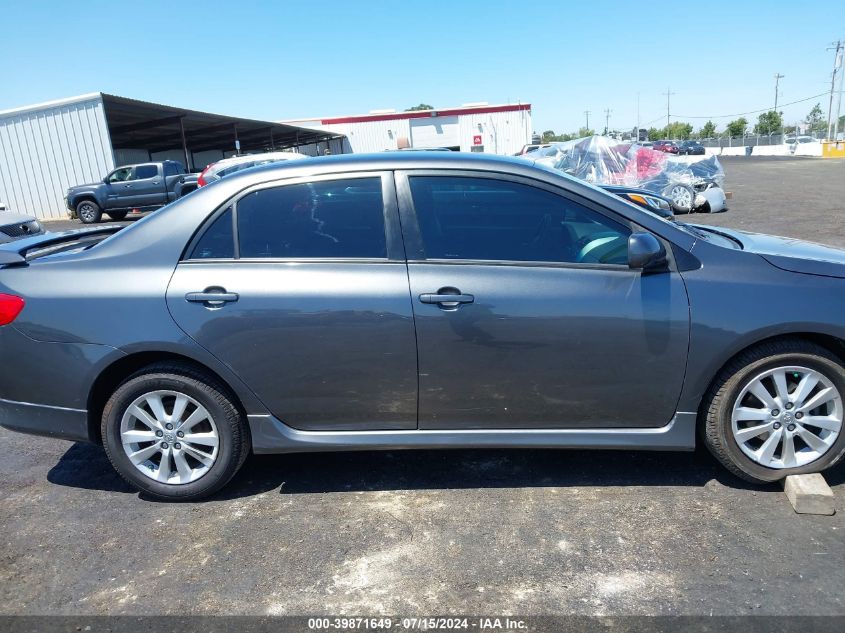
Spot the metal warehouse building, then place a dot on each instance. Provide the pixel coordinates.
(48, 147)
(493, 129)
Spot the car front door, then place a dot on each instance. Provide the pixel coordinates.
(309, 304)
(527, 314)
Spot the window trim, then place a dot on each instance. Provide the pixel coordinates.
(413, 236)
(390, 214)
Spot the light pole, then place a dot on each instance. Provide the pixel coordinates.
(587, 112)
(837, 65)
(607, 120)
(778, 77)
(668, 94)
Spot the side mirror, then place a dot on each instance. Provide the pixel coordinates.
(646, 252)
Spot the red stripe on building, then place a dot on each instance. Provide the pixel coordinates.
(425, 114)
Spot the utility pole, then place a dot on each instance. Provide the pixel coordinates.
(638, 118)
(837, 65)
(587, 112)
(778, 77)
(668, 94)
(607, 120)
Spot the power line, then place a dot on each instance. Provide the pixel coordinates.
(725, 116)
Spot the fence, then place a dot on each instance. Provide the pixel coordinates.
(751, 140)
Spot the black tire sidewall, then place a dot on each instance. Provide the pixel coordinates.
(229, 452)
(117, 215)
(830, 369)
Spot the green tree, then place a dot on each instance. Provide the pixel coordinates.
(708, 130)
(677, 130)
(583, 131)
(737, 127)
(815, 119)
(653, 134)
(422, 106)
(769, 123)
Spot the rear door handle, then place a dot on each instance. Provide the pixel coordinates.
(212, 297)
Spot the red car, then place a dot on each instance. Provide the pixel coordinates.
(670, 147)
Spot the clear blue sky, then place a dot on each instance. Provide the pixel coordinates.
(296, 59)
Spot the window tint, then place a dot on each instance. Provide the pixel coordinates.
(488, 219)
(218, 241)
(337, 218)
(145, 171)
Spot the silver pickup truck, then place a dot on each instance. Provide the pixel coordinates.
(144, 187)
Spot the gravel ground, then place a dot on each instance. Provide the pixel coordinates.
(413, 533)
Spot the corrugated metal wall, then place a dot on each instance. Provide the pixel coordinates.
(44, 150)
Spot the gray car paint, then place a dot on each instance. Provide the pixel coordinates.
(133, 275)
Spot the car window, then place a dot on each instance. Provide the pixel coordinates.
(172, 169)
(145, 171)
(325, 219)
(121, 175)
(497, 220)
(218, 241)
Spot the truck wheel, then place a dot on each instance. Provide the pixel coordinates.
(89, 212)
(117, 215)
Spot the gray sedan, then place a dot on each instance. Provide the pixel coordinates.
(419, 300)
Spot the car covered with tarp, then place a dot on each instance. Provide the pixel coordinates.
(692, 183)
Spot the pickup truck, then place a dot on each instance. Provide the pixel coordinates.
(144, 187)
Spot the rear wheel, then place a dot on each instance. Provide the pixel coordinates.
(117, 215)
(174, 432)
(777, 410)
(89, 212)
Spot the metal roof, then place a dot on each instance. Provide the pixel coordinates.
(134, 123)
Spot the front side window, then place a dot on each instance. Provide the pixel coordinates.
(498, 220)
(120, 175)
(145, 171)
(326, 219)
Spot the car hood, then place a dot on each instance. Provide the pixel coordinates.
(791, 254)
(7, 217)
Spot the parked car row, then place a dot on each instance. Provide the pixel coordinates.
(690, 148)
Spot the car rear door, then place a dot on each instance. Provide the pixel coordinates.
(526, 312)
(148, 185)
(301, 288)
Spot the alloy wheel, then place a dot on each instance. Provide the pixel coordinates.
(681, 196)
(86, 212)
(169, 437)
(787, 417)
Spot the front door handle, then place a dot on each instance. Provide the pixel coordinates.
(446, 298)
(212, 297)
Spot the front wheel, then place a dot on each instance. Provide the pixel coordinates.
(682, 197)
(777, 410)
(89, 212)
(174, 432)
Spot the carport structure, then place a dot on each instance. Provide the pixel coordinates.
(137, 126)
(48, 147)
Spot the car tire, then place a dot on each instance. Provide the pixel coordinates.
(117, 215)
(195, 468)
(682, 197)
(89, 212)
(718, 411)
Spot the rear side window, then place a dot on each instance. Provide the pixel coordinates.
(218, 241)
(172, 169)
(498, 220)
(325, 219)
(145, 171)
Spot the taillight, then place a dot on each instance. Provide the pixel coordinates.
(201, 180)
(10, 308)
